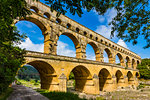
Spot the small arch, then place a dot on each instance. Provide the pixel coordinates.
(101, 41)
(96, 38)
(77, 30)
(91, 36)
(58, 21)
(34, 9)
(130, 77)
(119, 76)
(85, 33)
(81, 75)
(68, 26)
(109, 44)
(46, 15)
(104, 77)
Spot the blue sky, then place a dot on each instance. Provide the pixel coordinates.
(66, 47)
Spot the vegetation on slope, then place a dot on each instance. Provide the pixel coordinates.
(144, 69)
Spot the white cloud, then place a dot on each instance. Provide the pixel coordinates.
(29, 45)
(105, 29)
(62, 49)
(122, 43)
(90, 57)
(41, 38)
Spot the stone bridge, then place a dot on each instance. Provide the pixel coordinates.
(90, 76)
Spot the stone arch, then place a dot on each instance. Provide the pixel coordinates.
(96, 50)
(35, 9)
(75, 41)
(104, 78)
(46, 71)
(138, 62)
(128, 62)
(35, 21)
(137, 75)
(133, 63)
(130, 77)
(120, 59)
(119, 76)
(47, 15)
(109, 54)
(81, 74)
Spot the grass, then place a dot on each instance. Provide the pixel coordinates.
(6, 94)
(100, 98)
(30, 83)
(59, 95)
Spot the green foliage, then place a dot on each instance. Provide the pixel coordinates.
(11, 56)
(132, 17)
(27, 73)
(59, 95)
(71, 76)
(144, 69)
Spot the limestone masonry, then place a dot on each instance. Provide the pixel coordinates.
(91, 76)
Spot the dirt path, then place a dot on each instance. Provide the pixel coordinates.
(24, 93)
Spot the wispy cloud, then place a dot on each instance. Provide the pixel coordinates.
(29, 45)
(62, 49)
(122, 43)
(104, 29)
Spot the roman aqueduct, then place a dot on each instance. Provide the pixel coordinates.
(91, 76)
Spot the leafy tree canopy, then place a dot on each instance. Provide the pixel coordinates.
(132, 19)
(11, 56)
(144, 69)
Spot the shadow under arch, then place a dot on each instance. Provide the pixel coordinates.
(104, 77)
(46, 71)
(119, 76)
(96, 50)
(75, 42)
(130, 77)
(109, 54)
(121, 59)
(35, 21)
(81, 75)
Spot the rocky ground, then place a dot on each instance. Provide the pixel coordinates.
(121, 94)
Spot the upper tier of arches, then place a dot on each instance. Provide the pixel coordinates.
(53, 27)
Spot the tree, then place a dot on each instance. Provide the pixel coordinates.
(132, 19)
(144, 69)
(11, 56)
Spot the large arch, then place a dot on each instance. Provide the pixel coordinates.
(46, 71)
(119, 77)
(96, 50)
(109, 54)
(130, 77)
(81, 74)
(104, 77)
(120, 59)
(34, 20)
(133, 64)
(75, 41)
